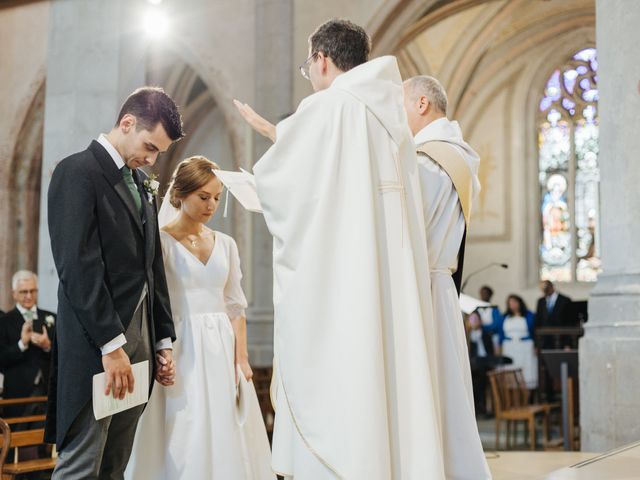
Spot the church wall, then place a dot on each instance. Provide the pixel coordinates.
(506, 221)
(308, 15)
(493, 93)
(609, 386)
(23, 36)
(239, 49)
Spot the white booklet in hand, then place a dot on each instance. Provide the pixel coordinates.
(106, 405)
(242, 185)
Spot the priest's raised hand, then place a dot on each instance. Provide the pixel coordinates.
(258, 123)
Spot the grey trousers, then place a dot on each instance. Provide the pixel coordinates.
(100, 449)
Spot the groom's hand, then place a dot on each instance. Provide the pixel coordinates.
(119, 375)
(165, 367)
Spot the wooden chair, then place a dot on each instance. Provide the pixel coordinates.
(23, 438)
(524, 393)
(10, 402)
(511, 405)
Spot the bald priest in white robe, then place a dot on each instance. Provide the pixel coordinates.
(354, 393)
(448, 169)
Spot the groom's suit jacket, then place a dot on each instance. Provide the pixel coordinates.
(104, 251)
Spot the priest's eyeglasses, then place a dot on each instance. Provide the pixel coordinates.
(304, 68)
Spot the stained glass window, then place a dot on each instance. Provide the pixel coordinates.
(568, 172)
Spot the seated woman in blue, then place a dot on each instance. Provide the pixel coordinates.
(516, 339)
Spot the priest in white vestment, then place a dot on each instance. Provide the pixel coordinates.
(353, 387)
(448, 169)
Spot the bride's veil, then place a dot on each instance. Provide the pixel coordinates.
(168, 213)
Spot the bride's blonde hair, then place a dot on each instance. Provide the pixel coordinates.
(191, 174)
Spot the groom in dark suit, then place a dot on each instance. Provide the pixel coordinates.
(113, 304)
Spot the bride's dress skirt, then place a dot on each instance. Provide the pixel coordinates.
(191, 429)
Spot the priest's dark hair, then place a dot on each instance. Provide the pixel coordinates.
(344, 42)
(150, 106)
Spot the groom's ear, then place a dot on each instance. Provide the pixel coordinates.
(127, 123)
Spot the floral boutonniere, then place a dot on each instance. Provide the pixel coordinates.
(49, 320)
(151, 186)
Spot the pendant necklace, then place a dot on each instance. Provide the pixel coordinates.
(194, 241)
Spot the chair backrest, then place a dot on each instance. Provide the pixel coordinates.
(520, 392)
(507, 389)
(22, 401)
(32, 417)
(15, 440)
(6, 440)
(23, 438)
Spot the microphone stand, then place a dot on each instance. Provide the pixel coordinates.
(492, 264)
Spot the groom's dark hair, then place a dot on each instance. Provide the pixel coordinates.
(344, 42)
(150, 106)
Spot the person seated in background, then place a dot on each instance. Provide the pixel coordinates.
(25, 344)
(490, 316)
(482, 359)
(516, 333)
(480, 341)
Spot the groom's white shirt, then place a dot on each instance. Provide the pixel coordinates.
(120, 340)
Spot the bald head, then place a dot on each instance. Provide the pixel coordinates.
(425, 100)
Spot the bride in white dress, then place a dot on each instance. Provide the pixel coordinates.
(199, 428)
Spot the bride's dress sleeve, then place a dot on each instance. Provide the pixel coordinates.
(234, 298)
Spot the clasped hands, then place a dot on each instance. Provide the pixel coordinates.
(165, 367)
(120, 380)
(40, 340)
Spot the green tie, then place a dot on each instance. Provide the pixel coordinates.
(28, 315)
(128, 179)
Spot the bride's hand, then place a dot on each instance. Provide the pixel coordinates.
(258, 123)
(245, 368)
(165, 367)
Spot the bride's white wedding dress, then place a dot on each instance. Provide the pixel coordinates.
(192, 430)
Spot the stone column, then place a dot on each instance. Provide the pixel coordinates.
(274, 97)
(610, 349)
(95, 59)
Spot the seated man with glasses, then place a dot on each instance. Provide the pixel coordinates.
(26, 333)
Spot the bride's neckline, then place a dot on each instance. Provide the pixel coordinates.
(193, 255)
